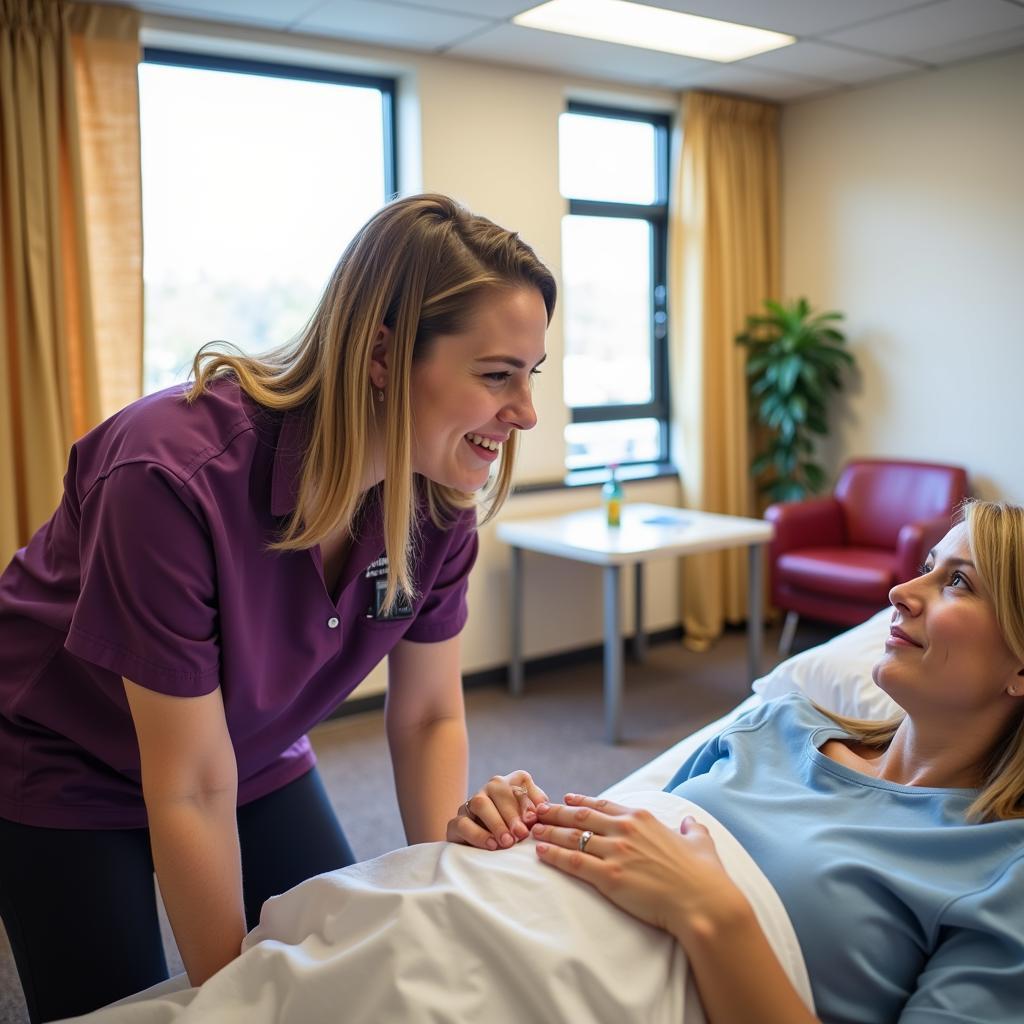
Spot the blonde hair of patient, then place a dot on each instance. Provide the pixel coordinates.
(419, 266)
(996, 537)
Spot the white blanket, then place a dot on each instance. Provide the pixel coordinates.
(445, 933)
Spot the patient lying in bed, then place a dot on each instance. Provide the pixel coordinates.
(890, 854)
(896, 847)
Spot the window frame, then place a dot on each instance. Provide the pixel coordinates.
(656, 214)
(309, 73)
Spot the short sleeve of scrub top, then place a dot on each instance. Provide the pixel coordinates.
(147, 609)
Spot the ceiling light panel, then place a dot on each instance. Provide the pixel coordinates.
(652, 28)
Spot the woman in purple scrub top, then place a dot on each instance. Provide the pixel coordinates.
(229, 560)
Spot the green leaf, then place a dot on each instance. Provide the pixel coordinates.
(832, 334)
(757, 362)
(811, 381)
(815, 475)
(826, 317)
(787, 490)
(785, 461)
(789, 370)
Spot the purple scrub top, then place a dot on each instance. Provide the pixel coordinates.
(155, 567)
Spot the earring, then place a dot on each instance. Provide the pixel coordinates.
(1013, 691)
(380, 394)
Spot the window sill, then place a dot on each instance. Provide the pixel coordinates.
(596, 477)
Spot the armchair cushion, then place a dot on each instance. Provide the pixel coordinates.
(858, 574)
(878, 497)
(817, 522)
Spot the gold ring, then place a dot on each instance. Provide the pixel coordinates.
(520, 791)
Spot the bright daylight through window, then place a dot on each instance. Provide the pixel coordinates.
(613, 168)
(254, 180)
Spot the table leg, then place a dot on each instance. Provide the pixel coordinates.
(612, 655)
(755, 611)
(515, 661)
(639, 636)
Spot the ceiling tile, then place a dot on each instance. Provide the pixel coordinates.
(795, 17)
(819, 60)
(993, 42)
(929, 28)
(388, 24)
(556, 52)
(748, 81)
(497, 9)
(264, 13)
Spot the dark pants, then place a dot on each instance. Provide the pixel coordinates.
(80, 905)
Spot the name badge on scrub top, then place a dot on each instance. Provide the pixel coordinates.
(401, 609)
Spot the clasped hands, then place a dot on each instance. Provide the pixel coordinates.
(671, 880)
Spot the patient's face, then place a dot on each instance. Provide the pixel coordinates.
(952, 654)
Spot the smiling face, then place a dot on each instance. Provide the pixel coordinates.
(945, 649)
(472, 389)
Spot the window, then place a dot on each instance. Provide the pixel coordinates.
(613, 169)
(254, 179)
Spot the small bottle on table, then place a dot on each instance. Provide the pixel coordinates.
(612, 497)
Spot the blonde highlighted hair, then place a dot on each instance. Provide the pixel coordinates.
(419, 266)
(995, 532)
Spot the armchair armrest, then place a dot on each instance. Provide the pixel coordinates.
(817, 522)
(914, 542)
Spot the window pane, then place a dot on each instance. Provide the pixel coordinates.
(606, 275)
(606, 158)
(597, 444)
(252, 187)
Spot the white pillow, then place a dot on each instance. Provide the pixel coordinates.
(837, 674)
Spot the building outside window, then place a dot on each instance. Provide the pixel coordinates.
(613, 169)
(254, 179)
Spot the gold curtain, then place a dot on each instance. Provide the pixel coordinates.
(70, 242)
(723, 262)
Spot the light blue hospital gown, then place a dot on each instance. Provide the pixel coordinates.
(903, 911)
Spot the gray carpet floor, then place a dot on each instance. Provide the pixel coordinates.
(555, 732)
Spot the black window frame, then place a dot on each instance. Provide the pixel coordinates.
(657, 216)
(309, 73)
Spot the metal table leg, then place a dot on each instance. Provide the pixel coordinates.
(612, 655)
(639, 636)
(755, 611)
(515, 661)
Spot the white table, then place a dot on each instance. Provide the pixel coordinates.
(648, 532)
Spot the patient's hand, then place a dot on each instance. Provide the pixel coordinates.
(500, 814)
(672, 880)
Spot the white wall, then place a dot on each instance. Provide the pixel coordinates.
(903, 206)
(488, 136)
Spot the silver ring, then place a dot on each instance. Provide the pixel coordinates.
(584, 839)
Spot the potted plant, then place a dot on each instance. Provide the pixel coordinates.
(795, 359)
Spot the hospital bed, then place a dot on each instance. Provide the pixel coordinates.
(442, 885)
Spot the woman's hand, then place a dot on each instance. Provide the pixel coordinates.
(671, 880)
(500, 814)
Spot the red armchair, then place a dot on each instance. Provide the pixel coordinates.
(837, 558)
